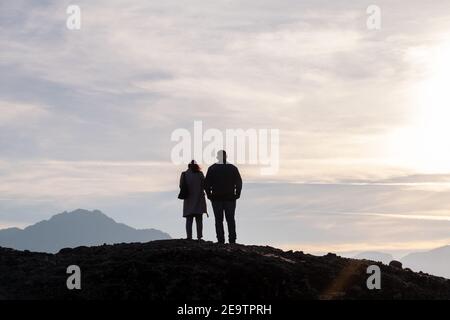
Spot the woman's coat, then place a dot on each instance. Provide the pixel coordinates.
(195, 203)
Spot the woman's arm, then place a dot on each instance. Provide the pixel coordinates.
(181, 179)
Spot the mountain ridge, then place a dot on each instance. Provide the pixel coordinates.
(72, 229)
(435, 261)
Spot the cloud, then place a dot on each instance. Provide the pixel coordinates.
(86, 116)
(285, 64)
(350, 249)
(16, 114)
(67, 179)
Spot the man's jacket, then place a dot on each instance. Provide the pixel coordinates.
(223, 182)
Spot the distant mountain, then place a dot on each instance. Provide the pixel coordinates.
(73, 229)
(375, 256)
(436, 262)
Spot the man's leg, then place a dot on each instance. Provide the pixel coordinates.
(230, 209)
(199, 222)
(218, 215)
(189, 221)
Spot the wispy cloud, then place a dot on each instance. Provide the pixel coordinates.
(13, 114)
(398, 248)
(86, 116)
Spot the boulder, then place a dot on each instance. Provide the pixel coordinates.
(396, 264)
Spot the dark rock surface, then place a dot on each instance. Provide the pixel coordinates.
(190, 270)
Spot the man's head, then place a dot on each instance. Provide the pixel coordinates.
(222, 156)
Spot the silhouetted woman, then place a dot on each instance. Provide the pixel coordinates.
(194, 205)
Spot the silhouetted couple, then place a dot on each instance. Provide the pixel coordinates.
(222, 184)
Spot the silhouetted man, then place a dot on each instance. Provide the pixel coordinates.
(223, 185)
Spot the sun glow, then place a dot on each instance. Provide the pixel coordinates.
(425, 145)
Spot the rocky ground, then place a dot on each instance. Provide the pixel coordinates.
(189, 270)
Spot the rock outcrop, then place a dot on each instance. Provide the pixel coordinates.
(189, 270)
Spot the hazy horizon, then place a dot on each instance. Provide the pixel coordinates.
(86, 115)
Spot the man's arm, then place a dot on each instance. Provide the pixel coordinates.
(181, 179)
(207, 183)
(238, 183)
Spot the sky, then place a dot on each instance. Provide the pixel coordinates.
(86, 116)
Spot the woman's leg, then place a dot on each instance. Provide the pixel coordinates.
(189, 221)
(199, 222)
